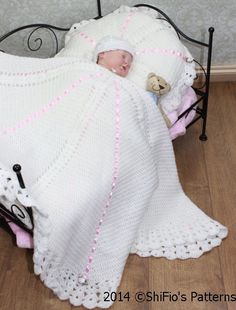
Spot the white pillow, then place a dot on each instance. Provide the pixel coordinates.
(158, 48)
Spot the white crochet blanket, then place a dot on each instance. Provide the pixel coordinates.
(98, 161)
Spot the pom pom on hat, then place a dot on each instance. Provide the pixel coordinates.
(110, 43)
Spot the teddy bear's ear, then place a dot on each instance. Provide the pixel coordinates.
(151, 74)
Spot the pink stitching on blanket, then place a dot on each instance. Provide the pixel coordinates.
(35, 115)
(82, 279)
(164, 51)
(87, 38)
(126, 23)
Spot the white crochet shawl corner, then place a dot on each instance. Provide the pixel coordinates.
(97, 159)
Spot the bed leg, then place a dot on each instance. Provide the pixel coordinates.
(203, 136)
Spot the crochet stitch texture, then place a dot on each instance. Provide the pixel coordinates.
(98, 161)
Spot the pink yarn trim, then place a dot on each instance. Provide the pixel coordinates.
(127, 21)
(37, 114)
(116, 164)
(163, 51)
(87, 38)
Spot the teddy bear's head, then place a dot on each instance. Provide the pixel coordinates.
(157, 84)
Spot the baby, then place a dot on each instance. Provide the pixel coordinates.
(114, 54)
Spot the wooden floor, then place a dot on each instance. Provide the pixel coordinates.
(208, 175)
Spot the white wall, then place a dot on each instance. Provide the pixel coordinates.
(192, 17)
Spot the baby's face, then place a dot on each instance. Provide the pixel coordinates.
(118, 61)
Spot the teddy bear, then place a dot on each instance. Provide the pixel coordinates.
(159, 86)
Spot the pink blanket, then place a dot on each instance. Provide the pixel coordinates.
(23, 238)
(179, 127)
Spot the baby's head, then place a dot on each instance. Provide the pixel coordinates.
(114, 54)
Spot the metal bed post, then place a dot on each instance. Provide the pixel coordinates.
(99, 8)
(203, 136)
(17, 215)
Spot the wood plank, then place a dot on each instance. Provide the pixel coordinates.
(220, 154)
(20, 288)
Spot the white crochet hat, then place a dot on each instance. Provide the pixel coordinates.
(110, 43)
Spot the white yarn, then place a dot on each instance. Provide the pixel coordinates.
(111, 43)
(157, 47)
(67, 155)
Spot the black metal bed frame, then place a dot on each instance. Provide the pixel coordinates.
(202, 91)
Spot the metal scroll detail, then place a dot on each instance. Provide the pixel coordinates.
(15, 211)
(39, 41)
(18, 214)
(35, 44)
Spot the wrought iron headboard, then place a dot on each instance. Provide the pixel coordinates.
(205, 85)
(36, 26)
(51, 28)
